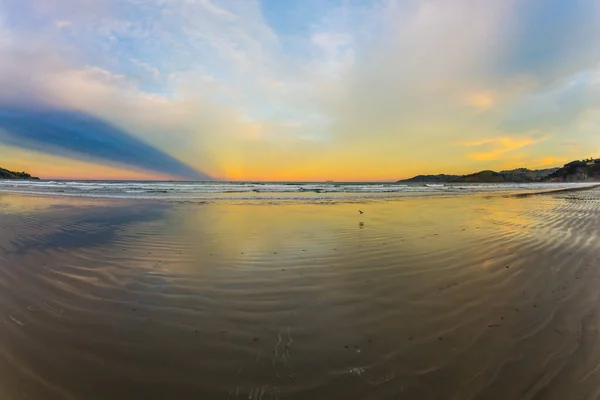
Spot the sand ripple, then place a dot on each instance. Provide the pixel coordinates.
(438, 298)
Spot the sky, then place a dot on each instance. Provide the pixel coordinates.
(348, 90)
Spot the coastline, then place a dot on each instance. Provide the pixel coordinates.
(413, 191)
(557, 191)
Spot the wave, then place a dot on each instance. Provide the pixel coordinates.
(258, 190)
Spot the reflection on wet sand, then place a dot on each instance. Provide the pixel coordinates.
(429, 298)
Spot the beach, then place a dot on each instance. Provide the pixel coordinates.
(475, 296)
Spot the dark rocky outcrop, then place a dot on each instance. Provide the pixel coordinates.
(6, 174)
(577, 171)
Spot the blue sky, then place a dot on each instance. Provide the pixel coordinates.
(330, 89)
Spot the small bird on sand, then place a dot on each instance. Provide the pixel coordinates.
(361, 212)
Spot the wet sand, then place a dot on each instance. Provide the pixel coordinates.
(473, 297)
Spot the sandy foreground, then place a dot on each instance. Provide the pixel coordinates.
(472, 297)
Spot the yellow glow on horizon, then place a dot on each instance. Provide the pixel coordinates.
(388, 163)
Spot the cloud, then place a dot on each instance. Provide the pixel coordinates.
(210, 6)
(147, 68)
(551, 161)
(495, 148)
(62, 24)
(258, 90)
(82, 136)
(160, 122)
(481, 100)
(556, 107)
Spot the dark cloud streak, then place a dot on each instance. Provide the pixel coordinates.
(79, 135)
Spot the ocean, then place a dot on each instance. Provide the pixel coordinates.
(216, 190)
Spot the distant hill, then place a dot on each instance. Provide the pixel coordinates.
(524, 174)
(431, 179)
(516, 175)
(6, 174)
(519, 175)
(577, 171)
(483, 176)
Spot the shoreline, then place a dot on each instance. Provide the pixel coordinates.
(556, 191)
(333, 197)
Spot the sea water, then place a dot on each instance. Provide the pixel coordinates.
(214, 190)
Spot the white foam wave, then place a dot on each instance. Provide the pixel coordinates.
(257, 190)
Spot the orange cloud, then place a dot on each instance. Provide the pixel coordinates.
(551, 161)
(496, 147)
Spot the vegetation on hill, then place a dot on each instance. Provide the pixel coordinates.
(525, 175)
(6, 174)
